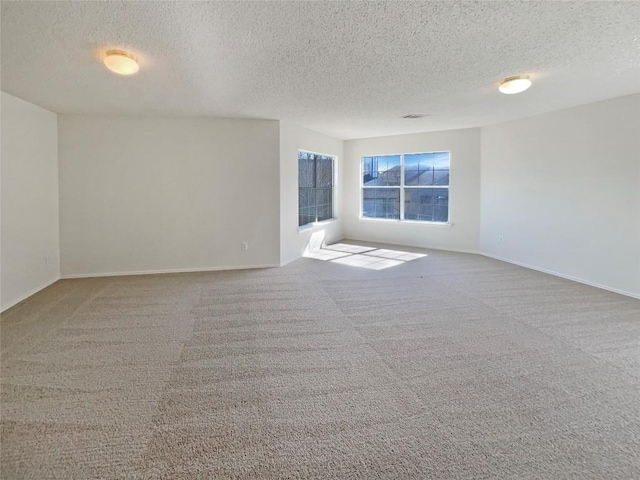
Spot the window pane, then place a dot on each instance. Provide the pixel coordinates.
(324, 172)
(426, 169)
(306, 198)
(305, 219)
(426, 204)
(315, 187)
(306, 170)
(440, 213)
(381, 202)
(306, 206)
(381, 171)
(323, 200)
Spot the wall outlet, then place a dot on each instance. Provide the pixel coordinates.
(244, 245)
(501, 238)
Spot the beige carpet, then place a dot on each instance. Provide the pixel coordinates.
(449, 366)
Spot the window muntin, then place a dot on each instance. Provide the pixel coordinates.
(315, 187)
(381, 171)
(426, 169)
(426, 204)
(381, 202)
(406, 187)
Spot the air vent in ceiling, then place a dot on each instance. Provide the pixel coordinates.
(416, 115)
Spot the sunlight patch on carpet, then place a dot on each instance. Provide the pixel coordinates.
(363, 257)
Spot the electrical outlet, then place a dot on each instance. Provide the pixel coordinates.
(244, 245)
(501, 239)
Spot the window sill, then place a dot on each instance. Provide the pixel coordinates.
(311, 226)
(409, 222)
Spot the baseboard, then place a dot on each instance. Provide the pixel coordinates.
(173, 270)
(22, 298)
(561, 275)
(291, 261)
(384, 243)
(412, 245)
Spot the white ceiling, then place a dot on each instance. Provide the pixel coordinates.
(347, 69)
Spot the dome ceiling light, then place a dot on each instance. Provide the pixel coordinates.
(516, 84)
(121, 62)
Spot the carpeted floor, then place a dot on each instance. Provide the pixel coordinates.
(448, 366)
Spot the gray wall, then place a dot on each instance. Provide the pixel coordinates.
(464, 192)
(30, 242)
(293, 242)
(162, 194)
(562, 190)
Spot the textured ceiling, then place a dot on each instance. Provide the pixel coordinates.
(348, 69)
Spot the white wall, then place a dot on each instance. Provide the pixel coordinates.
(30, 248)
(293, 242)
(464, 191)
(563, 189)
(161, 194)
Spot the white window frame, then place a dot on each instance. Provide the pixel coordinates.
(334, 160)
(402, 188)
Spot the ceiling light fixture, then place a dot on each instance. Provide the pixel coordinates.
(515, 84)
(121, 62)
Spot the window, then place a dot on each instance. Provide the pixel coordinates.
(315, 187)
(406, 187)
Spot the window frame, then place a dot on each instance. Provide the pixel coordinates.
(334, 159)
(402, 188)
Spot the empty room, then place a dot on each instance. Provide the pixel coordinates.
(320, 240)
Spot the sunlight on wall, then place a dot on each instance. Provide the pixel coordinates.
(316, 241)
(364, 257)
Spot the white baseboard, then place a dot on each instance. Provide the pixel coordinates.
(156, 272)
(413, 245)
(291, 261)
(388, 244)
(31, 292)
(562, 275)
